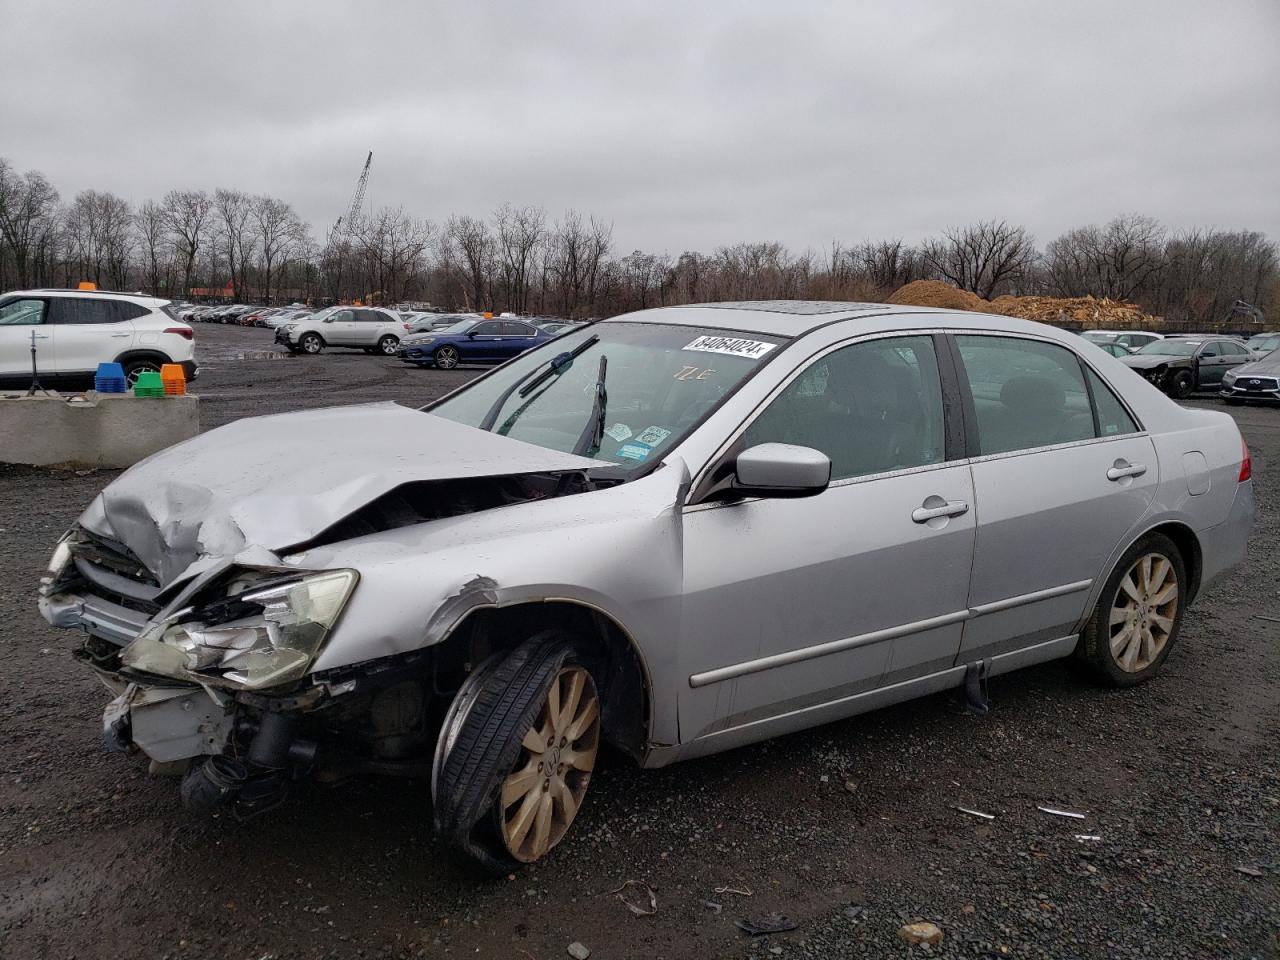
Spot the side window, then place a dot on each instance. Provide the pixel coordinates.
(22, 313)
(81, 310)
(1235, 350)
(1025, 393)
(343, 316)
(1113, 419)
(1211, 349)
(871, 407)
(510, 328)
(490, 328)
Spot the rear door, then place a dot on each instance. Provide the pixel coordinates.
(91, 330)
(517, 337)
(24, 323)
(1061, 471)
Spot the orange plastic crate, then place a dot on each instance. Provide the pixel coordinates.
(174, 379)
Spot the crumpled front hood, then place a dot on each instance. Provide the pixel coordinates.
(1146, 361)
(276, 482)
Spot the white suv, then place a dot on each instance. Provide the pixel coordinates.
(75, 330)
(371, 328)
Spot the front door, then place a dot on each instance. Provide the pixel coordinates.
(23, 322)
(483, 342)
(340, 329)
(1061, 474)
(794, 605)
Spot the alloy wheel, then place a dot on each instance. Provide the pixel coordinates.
(132, 376)
(446, 358)
(1143, 613)
(389, 346)
(543, 794)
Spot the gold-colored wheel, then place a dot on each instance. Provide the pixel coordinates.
(543, 793)
(1143, 613)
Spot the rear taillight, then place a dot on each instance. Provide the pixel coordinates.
(184, 332)
(1246, 465)
(406, 326)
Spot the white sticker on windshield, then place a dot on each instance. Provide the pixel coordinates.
(733, 346)
(652, 436)
(619, 431)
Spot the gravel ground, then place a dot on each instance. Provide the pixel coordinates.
(849, 829)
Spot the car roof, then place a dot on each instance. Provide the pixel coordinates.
(794, 318)
(64, 292)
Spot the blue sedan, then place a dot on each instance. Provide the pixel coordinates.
(472, 341)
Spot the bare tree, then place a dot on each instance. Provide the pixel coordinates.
(233, 210)
(186, 214)
(519, 232)
(1119, 260)
(984, 258)
(277, 230)
(28, 218)
(153, 234)
(471, 247)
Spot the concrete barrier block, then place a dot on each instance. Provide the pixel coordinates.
(96, 430)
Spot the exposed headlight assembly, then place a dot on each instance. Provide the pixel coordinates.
(262, 637)
(1228, 377)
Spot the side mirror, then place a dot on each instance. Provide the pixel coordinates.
(327, 320)
(781, 470)
(471, 334)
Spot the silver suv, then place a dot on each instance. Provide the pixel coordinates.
(371, 329)
(681, 530)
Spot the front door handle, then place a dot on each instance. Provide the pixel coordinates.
(1122, 469)
(122, 335)
(948, 508)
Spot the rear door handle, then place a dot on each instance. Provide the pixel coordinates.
(951, 508)
(122, 335)
(1122, 470)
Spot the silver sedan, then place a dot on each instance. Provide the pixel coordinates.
(680, 530)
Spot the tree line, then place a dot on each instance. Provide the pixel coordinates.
(257, 248)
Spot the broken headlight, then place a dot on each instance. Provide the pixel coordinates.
(262, 637)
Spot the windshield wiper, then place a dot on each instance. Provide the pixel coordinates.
(559, 363)
(593, 433)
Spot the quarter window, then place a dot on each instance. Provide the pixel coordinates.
(1025, 393)
(871, 407)
(1113, 418)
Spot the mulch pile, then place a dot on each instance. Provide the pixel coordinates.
(1088, 313)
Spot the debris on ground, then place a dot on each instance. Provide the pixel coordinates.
(1249, 871)
(921, 932)
(1079, 312)
(743, 891)
(1086, 837)
(1055, 812)
(648, 904)
(713, 906)
(855, 912)
(976, 813)
(578, 951)
(769, 923)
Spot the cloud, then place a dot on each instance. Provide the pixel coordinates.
(687, 125)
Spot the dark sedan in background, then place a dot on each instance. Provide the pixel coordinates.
(1180, 365)
(1256, 380)
(472, 341)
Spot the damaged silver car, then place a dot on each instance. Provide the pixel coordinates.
(679, 531)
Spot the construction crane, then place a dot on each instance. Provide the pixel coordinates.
(346, 222)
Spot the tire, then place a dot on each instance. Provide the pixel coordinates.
(1181, 383)
(1131, 650)
(504, 793)
(134, 367)
(388, 346)
(446, 357)
(310, 343)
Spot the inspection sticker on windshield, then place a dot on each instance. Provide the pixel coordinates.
(733, 346)
(634, 451)
(619, 432)
(652, 436)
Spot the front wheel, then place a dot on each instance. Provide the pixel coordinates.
(1181, 384)
(1139, 613)
(446, 357)
(311, 343)
(516, 753)
(388, 346)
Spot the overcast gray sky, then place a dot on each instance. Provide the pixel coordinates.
(687, 125)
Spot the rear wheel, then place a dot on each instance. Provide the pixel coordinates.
(446, 357)
(516, 753)
(134, 367)
(1139, 613)
(388, 346)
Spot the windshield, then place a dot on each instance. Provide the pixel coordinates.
(661, 381)
(321, 314)
(1262, 342)
(1171, 348)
